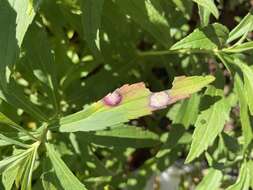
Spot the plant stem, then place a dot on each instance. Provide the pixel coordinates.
(181, 51)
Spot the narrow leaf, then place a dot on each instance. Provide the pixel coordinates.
(209, 124)
(129, 102)
(243, 180)
(248, 81)
(204, 15)
(129, 136)
(91, 18)
(5, 120)
(210, 37)
(209, 5)
(211, 181)
(13, 141)
(16, 16)
(187, 112)
(14, 158)
(239, 48)
(67, 179)
(147, 13)
(245, 26)
(9, 176)
(244, 115)
(27, 175)
(8, 43)
(40, 61)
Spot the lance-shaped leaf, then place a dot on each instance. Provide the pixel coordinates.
(186, 113)
(244, 115)
(204, 15)
(15, 17)
(67, 179)
(148, 14)
(247, 46)
(91, 17)
(209, 123)
(210, 37)
(130, 136)
(243, 180)
(8, 43)
(208, 5)
(248, 82)
(39, 61)
(245, 26)
(7, 121)
(211, 181)
(4, 164)
(130, 102)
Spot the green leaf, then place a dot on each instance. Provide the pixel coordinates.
(211, 37)
(187, 112)
(184, 6)
(147, 13)
(184, 86)
(14, 142)
(48, 177)
(244, 27)
(239, 48)
(209, 5)
(16, 17)
(129, 136)
(25, 16)
(5, 120)
(209, 124)
(40, 61)
(27, 175)
(67, 179)
(8, 43)
(248, 81)
(134, 101)
(244, 115)
(91, 18)
(243, 180)
(211, 181)
(4, 164)
(250, 166)
(204, 15)
(9, 176)
(19, 165)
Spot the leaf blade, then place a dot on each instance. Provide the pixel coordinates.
(209, 5)
(209, 124)
(136, 101)
(67, 179)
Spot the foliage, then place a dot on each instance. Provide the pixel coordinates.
(102, 94)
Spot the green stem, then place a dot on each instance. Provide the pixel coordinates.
(180, 51)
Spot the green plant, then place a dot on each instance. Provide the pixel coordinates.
(61, 128)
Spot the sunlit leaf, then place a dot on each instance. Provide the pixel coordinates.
(67, 179)
(243, 180)
(239, 48)
(210, 37)
(187, 112)
(211, 181)
(129, 102)
(209, 124)
(245, 26)
(209, 5)
(244, 115)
